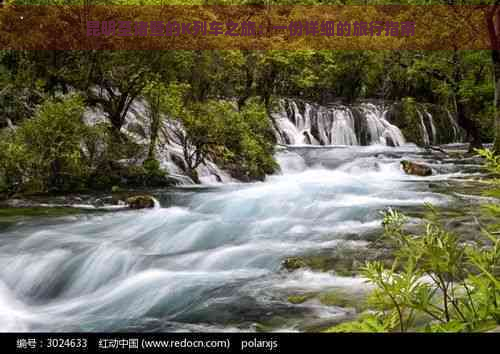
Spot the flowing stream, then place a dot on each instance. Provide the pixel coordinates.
(209, 258)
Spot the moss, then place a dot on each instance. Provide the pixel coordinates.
(344, 299)
(300, 298)
(294, 263)
(446, 133)
(271, 324)
(116, 189)
(412, 129)
(37, 211)
(11, 216)
(336, 297)
(343, 261)
(405, 115)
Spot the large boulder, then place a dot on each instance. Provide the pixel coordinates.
(140, 202)
(413, 168)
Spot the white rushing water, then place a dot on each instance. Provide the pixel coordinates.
(208, 258)
(336, 125)
(356, 124)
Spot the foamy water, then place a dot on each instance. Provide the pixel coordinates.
(211, 260)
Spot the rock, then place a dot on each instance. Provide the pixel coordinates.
(307, 137)
(293, 263)
(413, 168)
(140, 202)
(345, 299)
(116, 189)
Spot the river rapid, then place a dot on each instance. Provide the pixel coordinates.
(209, 258)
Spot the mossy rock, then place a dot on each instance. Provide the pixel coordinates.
(405, 115)
(344, 299)
(116, 189)
(294, 263)
(342, 261)
(300, 298)
(336, 297)
(13, 213)
(417, 169)
(141, 202)
(10, 216)
(272, 324)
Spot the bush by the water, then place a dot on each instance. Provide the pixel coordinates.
(46, 152)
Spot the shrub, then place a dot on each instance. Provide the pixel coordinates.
(45, 152)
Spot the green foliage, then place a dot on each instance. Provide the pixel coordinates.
(45, 152)
(153, 170)
(492, 160)
(162, 101)
(411, 125)
(450, 285)
(369, 323)
(242, 141)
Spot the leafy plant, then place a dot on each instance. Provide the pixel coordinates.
(45, 153)
(453, 286)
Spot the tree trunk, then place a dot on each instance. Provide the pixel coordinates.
(463, 114)
(469, 126)
(155, 125)
(193, 174)
(493, 22)
(495, 54)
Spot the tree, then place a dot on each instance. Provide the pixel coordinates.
(162, 102)
(201, 132)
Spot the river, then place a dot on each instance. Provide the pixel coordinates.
(209, 258)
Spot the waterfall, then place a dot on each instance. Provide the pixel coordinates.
(432, 134)
(433, 127)
(169, 149)
(423, 129)
(342, 132)
(302, 123)
(455, 127)
(363, 124)
(381, 131)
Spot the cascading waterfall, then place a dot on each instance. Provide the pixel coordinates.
(302, 123)
(433, 127)
(381, 131)
(336, 125)
(423, 129)
(454, 126)
(342, 131)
